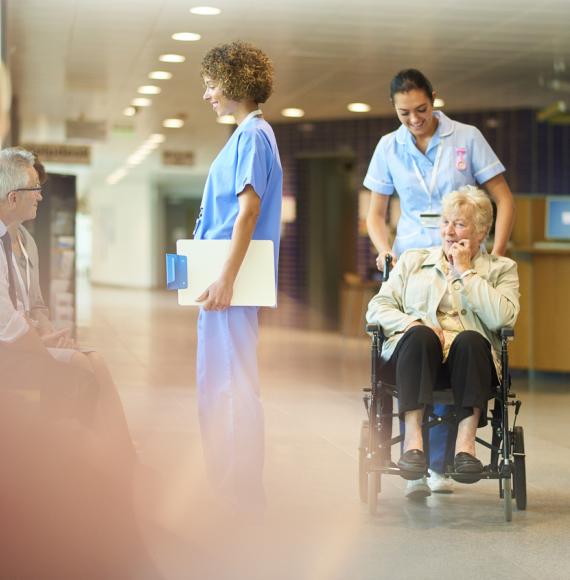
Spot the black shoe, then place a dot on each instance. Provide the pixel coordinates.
(468, 469)
(412, 464)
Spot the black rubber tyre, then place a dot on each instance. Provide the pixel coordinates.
(373, 489)
(363, 462)
(508, 500)
(519, 472)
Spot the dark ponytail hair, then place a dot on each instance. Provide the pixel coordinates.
(408, 80)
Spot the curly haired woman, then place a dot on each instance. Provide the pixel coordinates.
(241, 202)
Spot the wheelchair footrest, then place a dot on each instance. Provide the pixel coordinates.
(487, 473)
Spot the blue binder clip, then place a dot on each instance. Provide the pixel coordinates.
(176, 272)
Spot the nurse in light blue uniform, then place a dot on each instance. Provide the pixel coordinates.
(241, 202)
(429, 156)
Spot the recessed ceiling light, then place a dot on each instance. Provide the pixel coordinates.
(292, 112)
(116, 176)
(226, 120)
(156, 138)
(358, 107)
(171, 58)
(173, 123)
(141, 102)
(149, 90)
(437, 102)
(135, 159)
(205, 10)
(186, 36)
(129, 112)
(160, 75)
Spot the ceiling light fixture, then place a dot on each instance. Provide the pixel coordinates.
(116, 176)
(147, 147)
(293, 112)
(149, 90)
(129, 112)
(173, 123)
(160, 75)
(226, 120)
(358, 107)
(437, 102)
(171, 58)
(156, 138)
(186, 36)
(205, 10)
(141, 102)
(135, 159)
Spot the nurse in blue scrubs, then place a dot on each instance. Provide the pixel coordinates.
(428, 156)
(241, 202)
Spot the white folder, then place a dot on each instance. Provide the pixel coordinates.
(255, 282)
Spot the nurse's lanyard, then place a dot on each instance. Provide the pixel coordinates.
(24, 287)
(434, 174)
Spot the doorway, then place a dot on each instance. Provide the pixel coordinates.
(327, 213)
(180, 217)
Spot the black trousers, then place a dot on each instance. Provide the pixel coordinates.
(417, 370)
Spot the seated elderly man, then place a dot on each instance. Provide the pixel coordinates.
(31, 351)
(440, 311)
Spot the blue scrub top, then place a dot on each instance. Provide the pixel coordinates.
(250, 157)
(465, 159)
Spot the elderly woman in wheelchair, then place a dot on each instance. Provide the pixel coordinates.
(440, 312)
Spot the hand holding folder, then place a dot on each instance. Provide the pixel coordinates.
(205, 259)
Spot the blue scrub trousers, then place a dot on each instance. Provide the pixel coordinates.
(230, 410)
(440, 444)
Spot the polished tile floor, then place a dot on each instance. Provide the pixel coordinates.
(315, 527)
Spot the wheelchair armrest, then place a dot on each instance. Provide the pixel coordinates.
(507, 332)
(376, 330)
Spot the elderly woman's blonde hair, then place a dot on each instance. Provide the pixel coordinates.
(474, 198)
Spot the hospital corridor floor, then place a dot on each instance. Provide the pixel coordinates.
(315, 527)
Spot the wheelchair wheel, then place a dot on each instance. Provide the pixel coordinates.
(508, 499)
(373, 490)
(363, 463)
(519, 473)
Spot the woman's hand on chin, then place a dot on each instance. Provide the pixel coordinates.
(460, 254)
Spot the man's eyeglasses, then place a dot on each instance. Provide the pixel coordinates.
(39, 188)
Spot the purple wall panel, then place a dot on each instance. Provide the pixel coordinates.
(536, 155)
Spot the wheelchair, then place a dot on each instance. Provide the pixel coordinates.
(507, 458)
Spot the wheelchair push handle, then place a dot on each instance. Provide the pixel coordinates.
(387, 267)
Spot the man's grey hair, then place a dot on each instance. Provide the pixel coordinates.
(14, 165)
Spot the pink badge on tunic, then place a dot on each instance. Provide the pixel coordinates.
(460, 162)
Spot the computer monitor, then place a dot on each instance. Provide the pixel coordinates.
(557, 218)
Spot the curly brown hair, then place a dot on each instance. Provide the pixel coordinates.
(243, 71)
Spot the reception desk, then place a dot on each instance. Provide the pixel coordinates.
(541, 341)
(541, 331)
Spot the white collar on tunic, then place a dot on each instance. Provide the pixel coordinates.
(3, 228)
(255, 113)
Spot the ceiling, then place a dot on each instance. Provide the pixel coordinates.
(73, 59)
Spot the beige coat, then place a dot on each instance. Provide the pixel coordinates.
(487, 301)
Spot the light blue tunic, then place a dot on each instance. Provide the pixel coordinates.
(250, 157)
(465, 159)
(230, 410)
